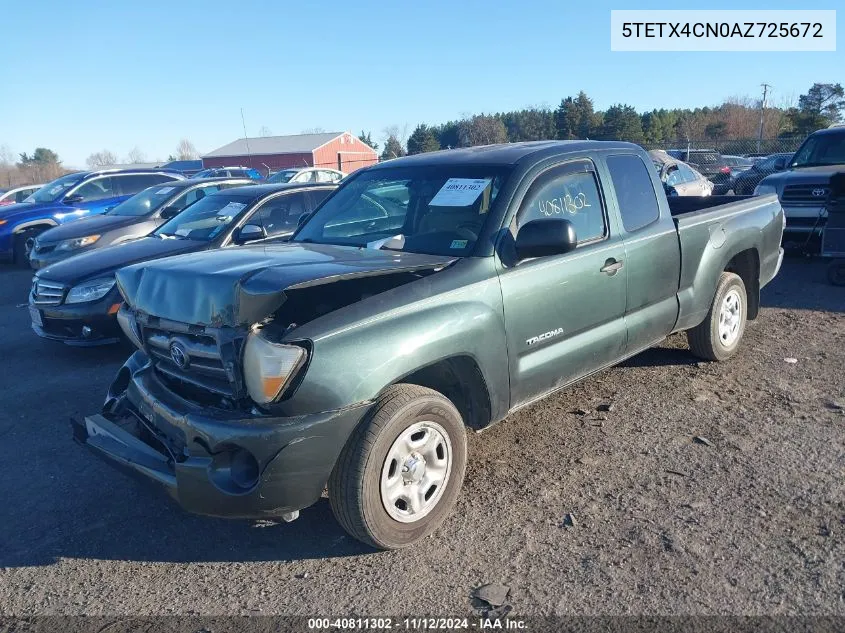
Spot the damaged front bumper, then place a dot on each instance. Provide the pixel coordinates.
(215, 462)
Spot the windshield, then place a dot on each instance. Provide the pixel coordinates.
(283, 176)
(432, 210)
(205, 219)
(144, 203)
(54, 190)
(821, 149)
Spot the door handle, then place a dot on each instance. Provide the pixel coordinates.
(611, 267)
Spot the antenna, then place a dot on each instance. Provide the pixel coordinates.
(246, 138)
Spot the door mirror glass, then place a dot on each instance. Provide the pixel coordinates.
(540, 238)
(250, 233)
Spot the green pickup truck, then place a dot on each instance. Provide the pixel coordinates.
(428, 295)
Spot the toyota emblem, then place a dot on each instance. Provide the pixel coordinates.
(818, 193)
(179, 355)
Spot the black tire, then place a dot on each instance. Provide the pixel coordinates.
(704, 339)
(355, 482)
(836, 272)
(19, 252)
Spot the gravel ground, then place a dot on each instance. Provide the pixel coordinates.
(591, 512)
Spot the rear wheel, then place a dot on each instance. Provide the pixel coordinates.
(401, 471)
(718, 336)
(836, 272)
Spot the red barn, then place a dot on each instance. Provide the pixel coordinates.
(336, 150)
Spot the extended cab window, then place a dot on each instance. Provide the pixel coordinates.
(634, 191)
(571, 195)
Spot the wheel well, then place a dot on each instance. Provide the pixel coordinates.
(459, 379)
(32, 228)
(746, 264)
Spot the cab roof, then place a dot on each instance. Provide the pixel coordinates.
(504, 154)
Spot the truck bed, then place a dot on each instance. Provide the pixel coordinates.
(717, 233)
(680, 205)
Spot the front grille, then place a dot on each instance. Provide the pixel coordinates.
(204, 358)
(805, 195)
(47, 293)
(43, 249)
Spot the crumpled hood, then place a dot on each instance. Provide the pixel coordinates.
(87, 226)
(242, 286)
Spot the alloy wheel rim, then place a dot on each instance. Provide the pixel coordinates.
(416, 471)
(730, 318)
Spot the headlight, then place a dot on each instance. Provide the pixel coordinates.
(79, 242)
(90, 290)
(764, 190)
(269, 366)
(127, 323)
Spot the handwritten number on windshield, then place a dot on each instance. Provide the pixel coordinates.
(563, 204)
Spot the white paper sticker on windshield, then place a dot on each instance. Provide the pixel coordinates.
(459, 192)
(231, 209)
(164, 190)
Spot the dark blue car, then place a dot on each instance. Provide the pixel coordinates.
(73, 196)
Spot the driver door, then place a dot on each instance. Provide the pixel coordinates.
(565, 314)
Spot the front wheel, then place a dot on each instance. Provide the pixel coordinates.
(21, 252)
(401, 471)
(718, 336)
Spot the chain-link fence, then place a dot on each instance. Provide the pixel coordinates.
(749, 147)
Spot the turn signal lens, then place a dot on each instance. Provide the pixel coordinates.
(268, 367)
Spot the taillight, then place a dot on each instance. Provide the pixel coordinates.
(725, 170)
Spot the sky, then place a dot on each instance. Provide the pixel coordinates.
(85, 76)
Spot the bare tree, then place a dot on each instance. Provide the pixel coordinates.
(7, 156)
(186, 150)
(265, 131)
(104, 158)
(313, 130)
(482, 130)
(136, 155)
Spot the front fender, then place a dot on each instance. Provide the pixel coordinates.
(356, 362)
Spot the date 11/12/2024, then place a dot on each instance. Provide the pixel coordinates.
(417, 624)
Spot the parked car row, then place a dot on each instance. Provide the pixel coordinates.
(75, 301)
(69, 198)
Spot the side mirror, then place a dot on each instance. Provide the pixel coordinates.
(168, 213)
(302, 219)
(250, 233)
(780, 164)
(74, 199)
(540, 238)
